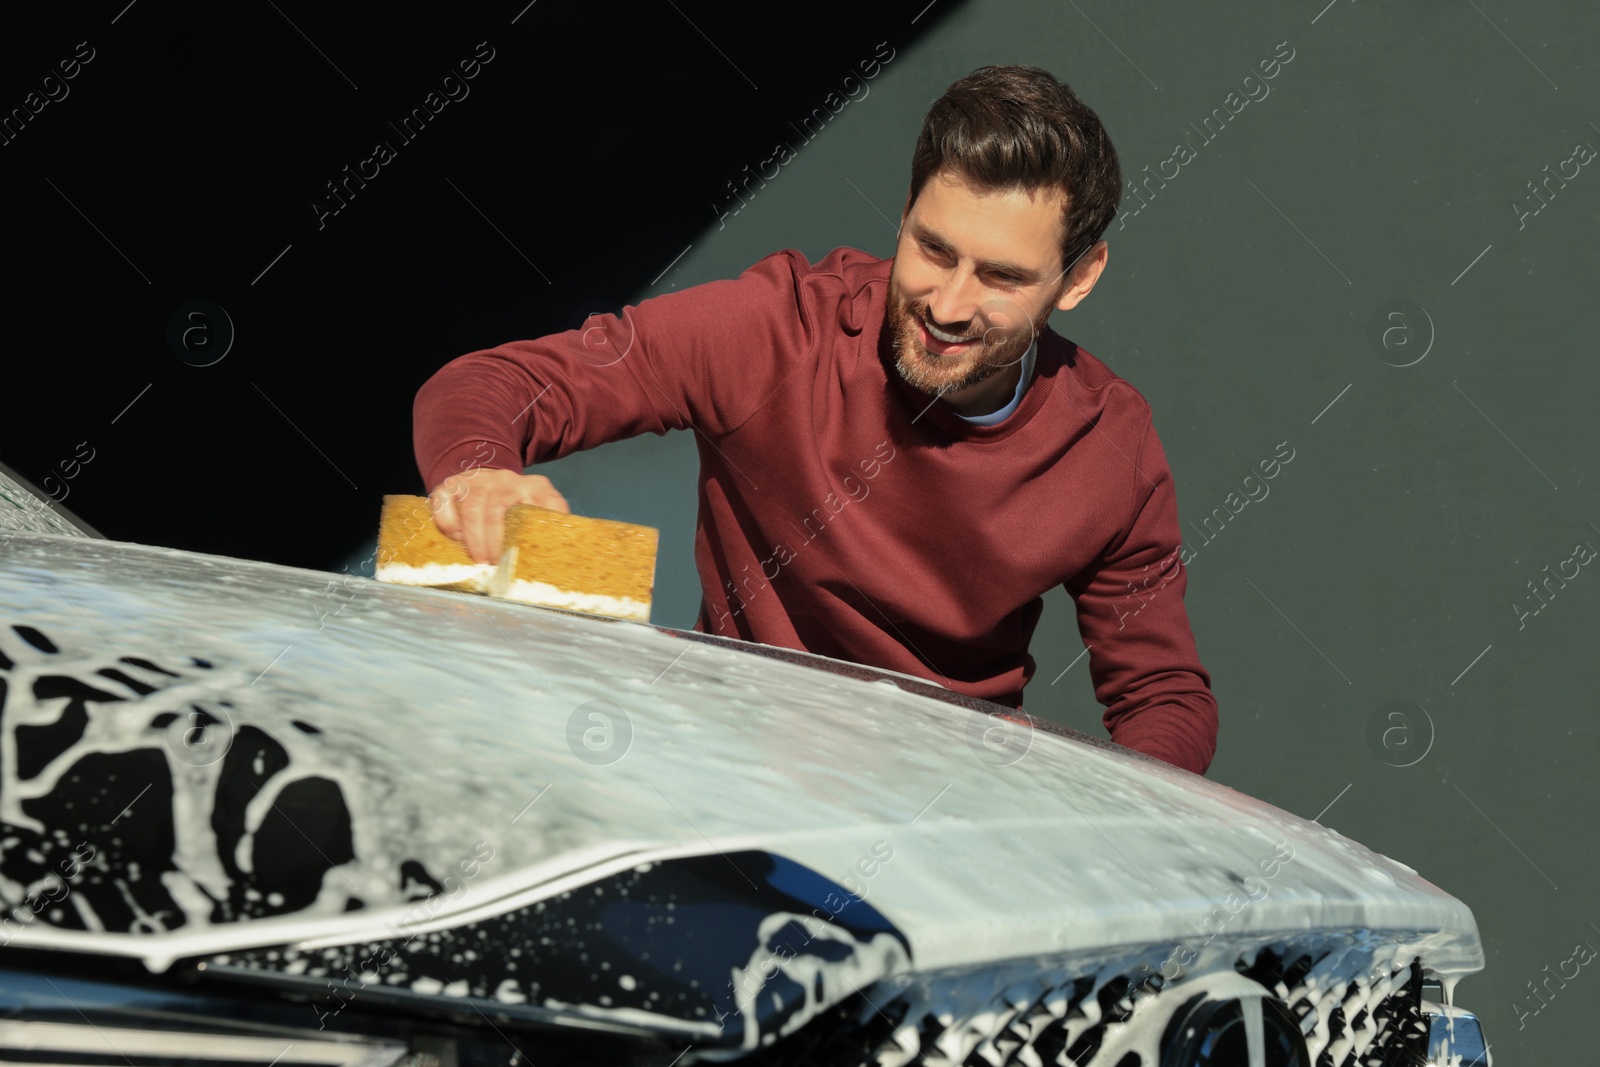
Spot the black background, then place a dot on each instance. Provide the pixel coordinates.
(188, 154)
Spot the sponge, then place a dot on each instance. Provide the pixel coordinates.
(557, 560)
(548, 558)
(412, 551)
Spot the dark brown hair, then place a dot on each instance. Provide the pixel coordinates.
(1009, 127)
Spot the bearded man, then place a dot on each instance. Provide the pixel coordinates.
(898, 457)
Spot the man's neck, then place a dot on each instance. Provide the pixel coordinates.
(988, 397)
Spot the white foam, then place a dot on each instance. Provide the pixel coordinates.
(496, 580)
(531, 592)
(444, 716)
(824, 982)
(435, 574)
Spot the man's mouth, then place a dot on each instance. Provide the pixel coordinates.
(940, 343)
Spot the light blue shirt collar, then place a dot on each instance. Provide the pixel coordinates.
(1016, 398)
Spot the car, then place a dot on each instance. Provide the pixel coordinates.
(249, 814)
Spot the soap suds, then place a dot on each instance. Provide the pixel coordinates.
(436, 717)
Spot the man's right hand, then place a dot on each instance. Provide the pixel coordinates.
(470, 507)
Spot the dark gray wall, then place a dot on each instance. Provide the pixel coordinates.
(1359, 621)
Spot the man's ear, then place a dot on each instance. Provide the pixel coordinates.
(1083, 275)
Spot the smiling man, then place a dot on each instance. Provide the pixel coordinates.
(965, 330)
(898, 458)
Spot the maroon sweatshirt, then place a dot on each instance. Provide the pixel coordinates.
(843, 513)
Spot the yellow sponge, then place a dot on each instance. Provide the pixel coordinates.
(549, 558)
(412, 551)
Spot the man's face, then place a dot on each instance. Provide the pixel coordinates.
(974, 280)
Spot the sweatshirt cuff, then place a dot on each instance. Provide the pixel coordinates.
(467, 456)
(1168, 749)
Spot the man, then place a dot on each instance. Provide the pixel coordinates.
(898, 458)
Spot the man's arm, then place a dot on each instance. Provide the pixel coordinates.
(704, 358)
(1142, 655)
(693, 358)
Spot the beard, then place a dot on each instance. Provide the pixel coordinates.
(1006, 336)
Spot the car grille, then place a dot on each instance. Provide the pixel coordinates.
(1377, 1023)
(1050, 1023)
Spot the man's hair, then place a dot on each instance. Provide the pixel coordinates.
(1020, 127)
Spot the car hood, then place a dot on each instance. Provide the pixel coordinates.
(421, 741)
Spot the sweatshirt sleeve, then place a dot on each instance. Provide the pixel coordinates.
(1142, 656)
(705, 358)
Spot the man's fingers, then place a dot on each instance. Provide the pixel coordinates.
(471, 507)
(554, 501)
(540, 491)
(458, 513)
(491, 531)
(444, 513)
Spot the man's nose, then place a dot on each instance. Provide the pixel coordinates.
(955, 302)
